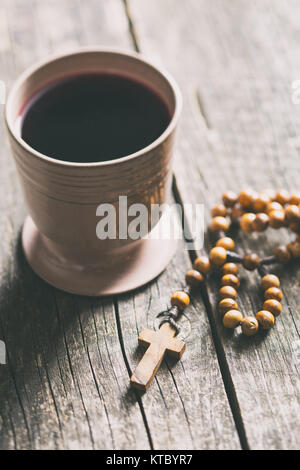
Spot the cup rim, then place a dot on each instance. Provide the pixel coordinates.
(94, 49)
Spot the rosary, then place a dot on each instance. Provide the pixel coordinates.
(252, 212)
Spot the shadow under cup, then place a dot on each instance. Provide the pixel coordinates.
(59, 235)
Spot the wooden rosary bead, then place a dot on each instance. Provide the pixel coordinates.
(295, 199)
(282, 197)
(227, 304)
(282, 254)
(261, 222)
(230, 280)
(246, 222)
(228, 292)
(249, 326)
(273, 306)
(227, 243)
(273, 293)
(277, 219)
(236, 213)
(274, 206)
(251, 261)
(232, 319)
(265, 319)
(194, 278)
(246, 197)
(260, 202)
(202, 264)
(270, 280)
(219, 224)
(180, 299)
(229, 198)
(292, 213)
(218, 255)
(294, 249)
(219, 210)
(230, 268)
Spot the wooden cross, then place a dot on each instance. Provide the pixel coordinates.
(158, 343)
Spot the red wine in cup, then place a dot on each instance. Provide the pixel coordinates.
(93, 118)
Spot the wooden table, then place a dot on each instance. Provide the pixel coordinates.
(66, 383)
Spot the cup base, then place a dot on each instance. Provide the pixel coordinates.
(136, 266)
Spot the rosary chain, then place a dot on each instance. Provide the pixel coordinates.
(252, 212)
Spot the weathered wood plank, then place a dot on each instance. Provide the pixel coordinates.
(66, 382)
(235, 62)
(186, 406)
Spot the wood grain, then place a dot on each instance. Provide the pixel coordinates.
(66, 384)
(235, 62)
(185, 406)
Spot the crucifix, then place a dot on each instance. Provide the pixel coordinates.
(159, 343)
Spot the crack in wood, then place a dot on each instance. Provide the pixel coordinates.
(137, 394)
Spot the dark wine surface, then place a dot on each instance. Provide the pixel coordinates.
(91, 118)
